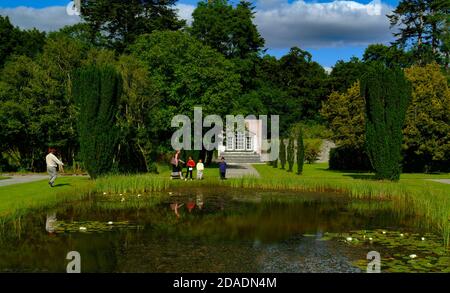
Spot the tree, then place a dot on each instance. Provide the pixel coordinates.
(282, 154)
(187, 74)
(228, 30)
(386, 93)
(300, 153)
(290, 154)
(305, 84)
(391, 56)
(97, 90)
(14, 41)
(422, 25)
(345, 74)
(427, 131)
(121, 22)
(344, 113)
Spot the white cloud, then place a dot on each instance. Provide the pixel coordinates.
(46, 19)
(316, 25)
(282, 24)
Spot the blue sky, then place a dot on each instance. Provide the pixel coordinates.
(328, 30)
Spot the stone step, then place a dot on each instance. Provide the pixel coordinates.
(242, 159)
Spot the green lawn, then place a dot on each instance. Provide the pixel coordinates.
(3, 177)
(18, 198)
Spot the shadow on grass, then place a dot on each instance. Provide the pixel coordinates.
(362, 176)
(62, 184)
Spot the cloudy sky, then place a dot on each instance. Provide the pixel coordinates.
(330, 30)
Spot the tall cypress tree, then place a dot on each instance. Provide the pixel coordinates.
(96, 90)
(290, 154)
(387, 94)
(300, 152)
(282, 154)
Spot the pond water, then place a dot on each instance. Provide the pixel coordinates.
(222, 230)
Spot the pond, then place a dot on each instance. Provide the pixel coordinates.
(222, 230)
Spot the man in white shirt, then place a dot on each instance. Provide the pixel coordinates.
(52, 163)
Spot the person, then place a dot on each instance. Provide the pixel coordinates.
(200, 168)
(222, 168)
(53, 162)
(176, 168)
(190, 167)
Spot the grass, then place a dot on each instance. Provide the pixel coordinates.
(429, 199)
(18, 199)
(2, 177)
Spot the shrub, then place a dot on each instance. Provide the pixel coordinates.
(349, 159)
(312, 150)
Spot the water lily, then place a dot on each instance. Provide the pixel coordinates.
(370, 239)
(121, 194)
(123, 199)
(412, 255)
(349, 238)
(384, 232)
(139, 195)
(170, 193)
(401, 235)
(423, 238)
(110, 223)
(104, 193)
(83, 228)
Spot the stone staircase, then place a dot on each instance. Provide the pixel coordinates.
(241, 157)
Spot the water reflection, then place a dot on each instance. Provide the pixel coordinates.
(50, 222)
(202, 230)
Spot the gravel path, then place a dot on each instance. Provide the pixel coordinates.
(22, 179)
(445, 181)
(241, 170)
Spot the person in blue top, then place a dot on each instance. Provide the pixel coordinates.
(222, 168)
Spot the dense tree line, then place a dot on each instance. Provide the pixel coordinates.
(219, 63)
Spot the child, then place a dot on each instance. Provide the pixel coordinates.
(222, 168)
(190, 167)
(200, 169)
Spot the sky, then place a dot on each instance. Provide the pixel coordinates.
(329, 30)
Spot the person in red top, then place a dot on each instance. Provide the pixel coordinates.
(190, 167)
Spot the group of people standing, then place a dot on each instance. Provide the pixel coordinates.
(177, 168)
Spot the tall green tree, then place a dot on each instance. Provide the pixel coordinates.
(423, 25)
(344, 114)
(187, 73)
(121, 22)
(305, 84)
(391, 56)
(229, 30)
(282, 154)
(290, 154)
(426, 143)
(97, 91)
(300, 152)
(14, 41)
(387, 94)
(345, 74)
